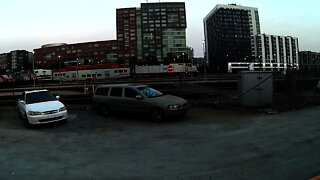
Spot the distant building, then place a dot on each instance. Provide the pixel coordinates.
(61, 54)
(198, 61)
(4, 60)
(309, 61)
(16, 60)
(230, 32)
(190, 52)
(277, 52)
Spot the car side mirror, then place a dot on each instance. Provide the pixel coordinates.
(58, 97)
(139, 97)
(21, 101)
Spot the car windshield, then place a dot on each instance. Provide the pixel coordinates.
(37, 97)
(150, 92)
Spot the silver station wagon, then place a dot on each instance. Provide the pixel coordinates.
(140, 99)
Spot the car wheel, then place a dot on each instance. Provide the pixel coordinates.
(105, 110)
(157, 114)
(19, 113)
(26, 121)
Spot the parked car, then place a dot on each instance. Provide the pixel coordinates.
(139, 99)
(40, 107)
(318, 85)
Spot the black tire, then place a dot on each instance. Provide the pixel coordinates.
(19, 114)
(104, 109)
(157, 114)
(26, 121)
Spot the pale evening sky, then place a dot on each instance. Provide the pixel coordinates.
(28, 24)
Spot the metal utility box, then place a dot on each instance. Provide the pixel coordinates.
(255, 88)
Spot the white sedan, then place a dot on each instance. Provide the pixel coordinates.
(40, 107)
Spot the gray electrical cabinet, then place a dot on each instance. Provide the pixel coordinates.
(255, 88)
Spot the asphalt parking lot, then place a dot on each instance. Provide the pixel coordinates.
(206, 144)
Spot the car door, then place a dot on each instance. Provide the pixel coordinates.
(132, 103)
(101, 96)
(115, 99)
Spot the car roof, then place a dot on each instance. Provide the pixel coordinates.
(35, 91)
(122, 85)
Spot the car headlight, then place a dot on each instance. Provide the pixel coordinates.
(34, 113)
(174, 107)
(62, 109)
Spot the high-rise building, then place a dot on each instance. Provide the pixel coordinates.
(280, 52)
(152, 32)
(230, 32)
(128, 33)
(163, 29)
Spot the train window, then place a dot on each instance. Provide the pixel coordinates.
(106, 74)
(36, 72)
(88, 75)
(64, 74)
(93, 75)
(98, 75)
(120, 71)
(115, 71)
(83, 75)
(125, 70)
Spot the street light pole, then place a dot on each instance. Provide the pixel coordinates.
(34, 81)
(59, 68)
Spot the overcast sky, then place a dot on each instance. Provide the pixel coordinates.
(28, 24)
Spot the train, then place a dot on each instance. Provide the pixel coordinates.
(176, 69)
(105, 72)
(100, 72)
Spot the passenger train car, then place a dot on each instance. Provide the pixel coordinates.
(89, 74)
(104, 72)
